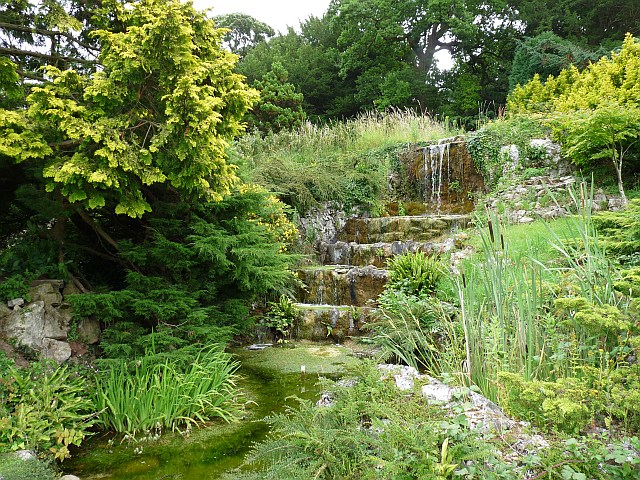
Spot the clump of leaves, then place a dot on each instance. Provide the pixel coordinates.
(146, 394)
(560, 405)
(47, 408)
(281, 318)
(415, 273)
(14, 468)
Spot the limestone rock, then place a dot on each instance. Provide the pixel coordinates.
(25, 455)
(46, 292)
(69, 477)
(56, 323)
(89, 331)
(56, 350)
(481, 412)
(16, 302)
(26, 325)
(40, 327)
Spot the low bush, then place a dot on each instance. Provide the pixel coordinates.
(145, 394)
(415, 273)
(370, 432)
(14, 468)
(415, 331)
(46, 408)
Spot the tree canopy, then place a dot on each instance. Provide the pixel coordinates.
(155, 112)
(595, 112)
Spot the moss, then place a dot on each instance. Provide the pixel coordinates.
(321, 359)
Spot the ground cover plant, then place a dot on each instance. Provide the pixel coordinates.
(46, 408)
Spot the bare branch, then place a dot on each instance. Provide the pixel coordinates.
(27, 53)
(48, 33)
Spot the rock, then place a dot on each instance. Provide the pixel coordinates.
(41, 328)
(88, 331)
(56, 350)
(25, 455)
(25, 325)
(4, 311)
(69, 477)
(526, 220)
(56, 323)
(403, 376)
(46, 292)
(16, 302)
(70, 289)
(481, 412)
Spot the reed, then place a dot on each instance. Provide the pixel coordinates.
(146, 394)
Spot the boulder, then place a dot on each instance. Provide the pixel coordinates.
(16, 302)
(88, 331)
(25, 325)
(56, 350)
(39, 327)
(47, 292)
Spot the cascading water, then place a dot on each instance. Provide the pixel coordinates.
(434, 156)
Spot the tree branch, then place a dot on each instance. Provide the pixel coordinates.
(48, 33)
(96, 228)
(44, 56)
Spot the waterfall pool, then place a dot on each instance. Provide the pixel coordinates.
(271, 378)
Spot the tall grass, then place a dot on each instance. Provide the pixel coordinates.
(506, 300)
(345, 161)
(502, 300)
(584, 254)
(146, 394)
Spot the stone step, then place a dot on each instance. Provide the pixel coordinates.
(335, 322)
(377, 254)
(419, 228)
(341, 284)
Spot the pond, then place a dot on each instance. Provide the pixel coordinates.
(271, 378)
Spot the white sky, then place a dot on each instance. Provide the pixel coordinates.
(278, 14)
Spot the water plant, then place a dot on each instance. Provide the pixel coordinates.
(144, 394)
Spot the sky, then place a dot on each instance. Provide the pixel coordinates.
(276, 13)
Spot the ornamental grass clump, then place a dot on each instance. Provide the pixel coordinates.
(145, 394)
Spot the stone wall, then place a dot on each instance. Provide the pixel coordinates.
(42, 326)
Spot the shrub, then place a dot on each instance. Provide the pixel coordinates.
(281, 318)
(47, 408)
(560, 405)
(14, 468)
(414, 331)
(369, 432)
(146, 394)
(415, 273)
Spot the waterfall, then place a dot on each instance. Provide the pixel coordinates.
(433, 166)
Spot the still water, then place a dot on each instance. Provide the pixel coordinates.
(205, 453)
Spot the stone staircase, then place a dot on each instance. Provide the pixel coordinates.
(341, 289)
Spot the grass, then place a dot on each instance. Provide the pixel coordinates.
(147, 395)
(345, 162)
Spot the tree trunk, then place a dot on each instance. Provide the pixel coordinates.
(618, 165)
